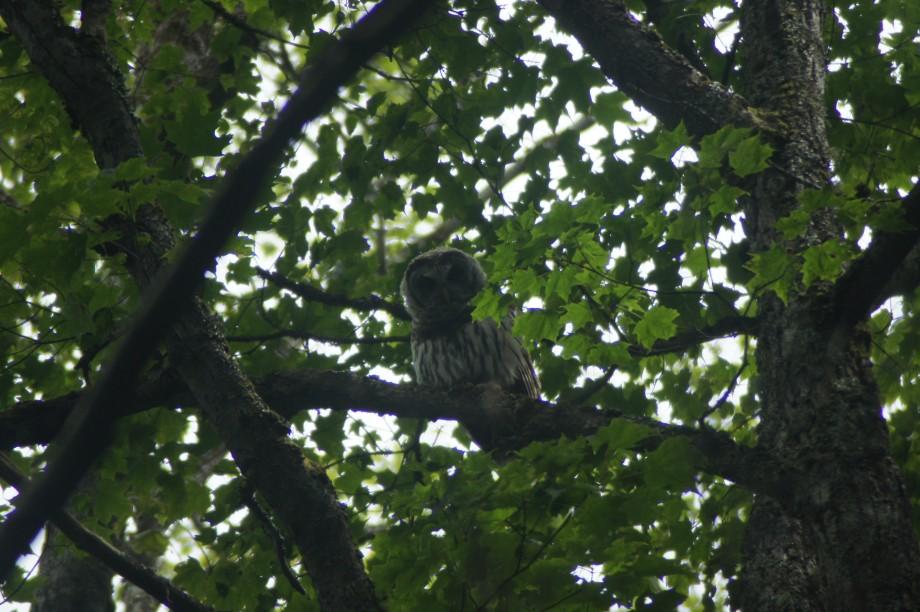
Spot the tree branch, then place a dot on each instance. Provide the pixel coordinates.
(498, 421)
(39, 421)
(729, 326)
(156, 586)
(297, 335)
(870, 279)
(314, 294)
(102, 111)
(639, 63)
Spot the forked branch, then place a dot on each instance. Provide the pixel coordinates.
(870, 279)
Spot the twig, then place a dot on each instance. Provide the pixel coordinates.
(521, 568)
(701, 422)
(240, 23)
(313, 294)
(290, 333)
(274, 535)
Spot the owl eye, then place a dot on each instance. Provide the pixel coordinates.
(455, 275)
(423, 284)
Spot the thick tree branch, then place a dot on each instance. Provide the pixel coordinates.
(39, 421)
(498, 421)
(42, 32)
(156, 586)
(503, 422)
(78, 59)
(313, 294)
(869, 280)
(639, 63)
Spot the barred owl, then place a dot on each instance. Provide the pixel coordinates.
(448, 346)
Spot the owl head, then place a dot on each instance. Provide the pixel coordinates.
(439, 284)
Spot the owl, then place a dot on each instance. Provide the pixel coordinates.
(448, 346)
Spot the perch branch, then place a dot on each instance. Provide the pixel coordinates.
(510, 422)
(39, 421)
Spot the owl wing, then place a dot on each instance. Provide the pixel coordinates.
(528, 377)
(525, 377)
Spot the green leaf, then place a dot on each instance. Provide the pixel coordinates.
(537, 325)
(714, 147)
(751, 156)
(608, 108)
(193, 134)
(525, 282)
(488, 305)
(772, 271)
(824, 262)
(672, 465)
(621, 435)
(670, 141)
(657, 324)
(725, 200)
(578, 313)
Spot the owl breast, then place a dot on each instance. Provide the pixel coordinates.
(475, 352)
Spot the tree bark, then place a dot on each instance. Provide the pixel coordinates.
(843, 539)
(72, 581)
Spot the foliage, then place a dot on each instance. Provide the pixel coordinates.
(620, 236)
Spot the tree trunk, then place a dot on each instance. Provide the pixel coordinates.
(843, 540)
(72, 581)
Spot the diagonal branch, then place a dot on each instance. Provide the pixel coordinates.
(870, 279)
(639, 63)
(154, 585)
